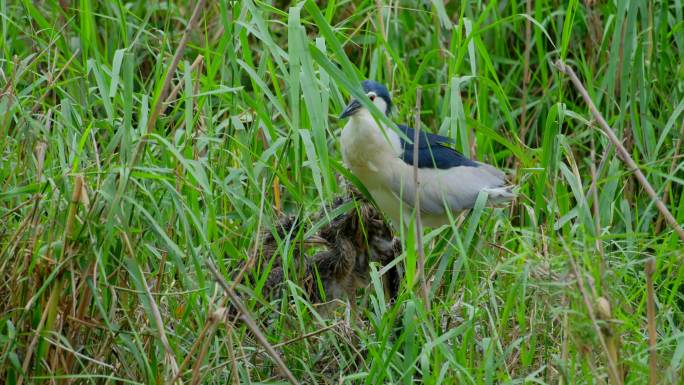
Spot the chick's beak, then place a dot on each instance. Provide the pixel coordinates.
(351, 108)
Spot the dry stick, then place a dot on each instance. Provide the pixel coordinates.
(251, 324)
(57, 357)
(21, 70)
(66, 248)
(416, 206)
(52, 82)
(246, 363)
(137, 152)
(299, 338)
(160, 326)
(198, 60)
(17, 236)
(204, 334)
(16, 209)
(204, 339)
(234, 360)
(201, 112)
(54, 294)
(139, 149)
(622, 152)
(605, 313)
(231, 355)
(32, 219)
(167, 79)
(196, 377)
(83, 305)
(650, 315)
(32, 346)
(612, 365)
(515, 209)
(565, 337)
(74, 352)
(156, 315)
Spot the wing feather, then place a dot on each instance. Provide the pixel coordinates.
(455, 188)
(433, 151)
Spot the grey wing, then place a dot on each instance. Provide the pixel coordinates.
(455, 188)
(403, 186)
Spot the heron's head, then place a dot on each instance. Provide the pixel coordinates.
(377, 93)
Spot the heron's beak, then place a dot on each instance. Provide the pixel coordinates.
(351, 108)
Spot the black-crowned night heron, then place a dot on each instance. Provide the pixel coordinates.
(383, 162)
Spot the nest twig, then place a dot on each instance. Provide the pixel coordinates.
(350, 242)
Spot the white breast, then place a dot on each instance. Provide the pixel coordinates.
(367, 152)
(374, 159)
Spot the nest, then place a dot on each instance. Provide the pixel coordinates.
(350, 242)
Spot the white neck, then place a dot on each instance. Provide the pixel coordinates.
(363, 136)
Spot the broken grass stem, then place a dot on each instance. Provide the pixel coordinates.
(622, 151)
(251, 324)
(424, 292)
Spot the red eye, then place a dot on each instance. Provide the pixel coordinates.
(372, 97)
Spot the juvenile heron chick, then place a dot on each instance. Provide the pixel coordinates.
(354, 239)
(350, 242)
(383, 162)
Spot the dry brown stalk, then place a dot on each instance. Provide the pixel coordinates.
(231, 356)
(605, 313)
(234, 360)
(204, 334)
(172, 95)
(32, 345)
(613, 372)
(622, 151)
(167, 78)
(424, 292)
(251, 324)
(196, 375)
(170, 356)
(52, 81)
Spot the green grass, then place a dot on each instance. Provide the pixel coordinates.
(114, 289)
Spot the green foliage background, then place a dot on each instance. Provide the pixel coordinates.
(115, 289)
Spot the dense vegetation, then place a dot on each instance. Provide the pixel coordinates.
(137, 146)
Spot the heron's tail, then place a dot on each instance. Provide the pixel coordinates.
(500, 194)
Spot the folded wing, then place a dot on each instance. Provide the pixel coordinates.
(446, 177)
(433, 151)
